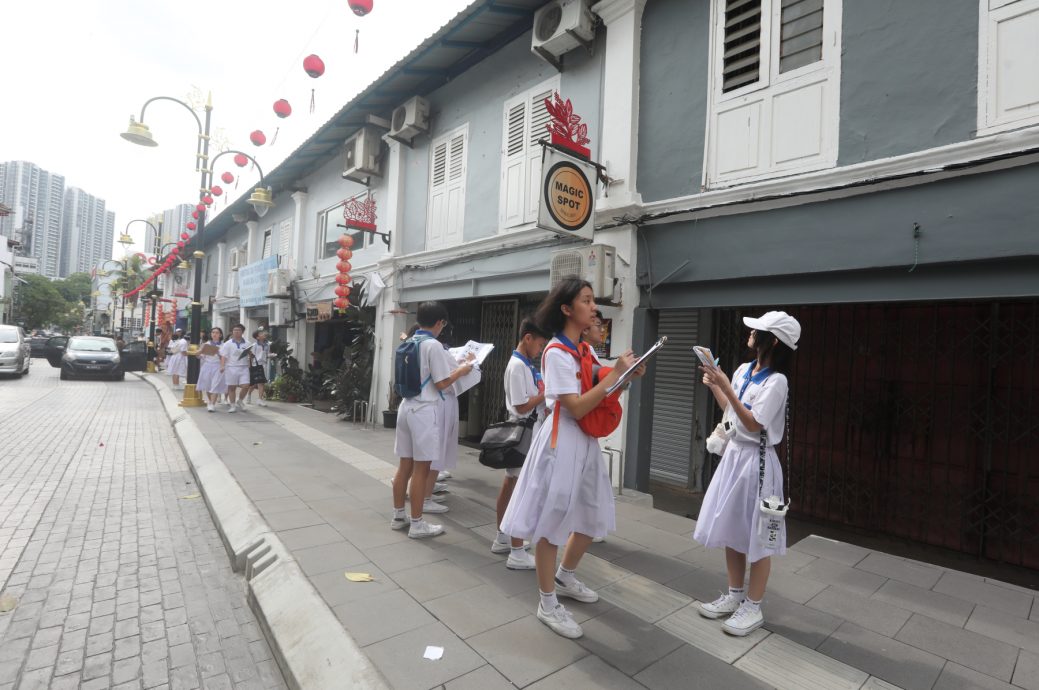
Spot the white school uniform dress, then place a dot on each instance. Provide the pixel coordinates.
(419, 419)
(729, 513)
(236, 369)
(210, 378)
(177, 362)
(563, 489)
(521, 385)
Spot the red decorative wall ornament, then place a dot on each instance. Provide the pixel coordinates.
(190, 226)
(227, 178)
(360, 213)
(566, 128)
(216, 190)
(345, 254)
(241, 160)
(258, 138)
(282, 108)
(361, 7)
(313, 66)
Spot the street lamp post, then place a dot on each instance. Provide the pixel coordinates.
(138, 133)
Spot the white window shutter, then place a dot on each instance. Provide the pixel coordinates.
(514, 168)
(455, 188)
(285, 244)
(539, 120)
(437, 197)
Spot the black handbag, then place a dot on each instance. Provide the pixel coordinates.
(505, 444)
(256, 374)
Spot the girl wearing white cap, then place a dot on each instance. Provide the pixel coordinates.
(754, 402)
(177, 363)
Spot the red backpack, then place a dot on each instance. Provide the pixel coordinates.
(606, 416)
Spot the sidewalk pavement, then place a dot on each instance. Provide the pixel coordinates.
(837, 615)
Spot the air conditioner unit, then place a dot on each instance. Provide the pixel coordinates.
(361, 155)
(279, 313)
(410, 118)
(595, 263)
(278, 280)
(562, 25)
(235, 262)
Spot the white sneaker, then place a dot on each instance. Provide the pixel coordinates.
(576, 590)
(501, 546)
(438, 499)
(241, 406)
(440, 487)
(520, 560)
(443, 474)
(232, 409)
(210, 408)
(745, 621)
(399, 523)
(261, 402)
(560, 621)
(598, 540)
(723, 606)
(424, 530)
(433, 507)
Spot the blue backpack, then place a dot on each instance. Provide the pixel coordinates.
(407, 367)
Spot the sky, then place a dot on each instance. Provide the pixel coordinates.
(75, 70)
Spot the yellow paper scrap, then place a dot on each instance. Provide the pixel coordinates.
(7, 603)
(359, 577)
(192, 496)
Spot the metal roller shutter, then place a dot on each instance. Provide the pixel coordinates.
(670, 453)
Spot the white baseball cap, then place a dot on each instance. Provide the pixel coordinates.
(779, 324)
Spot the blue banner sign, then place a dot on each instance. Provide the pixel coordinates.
(252, 282)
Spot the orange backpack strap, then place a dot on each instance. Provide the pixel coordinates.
(553, 411)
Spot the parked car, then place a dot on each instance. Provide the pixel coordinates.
(15, 354)
(85, 355)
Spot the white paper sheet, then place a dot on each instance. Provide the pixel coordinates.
(479, 350)
(433, 653)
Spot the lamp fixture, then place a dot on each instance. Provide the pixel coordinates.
(261, 200)
(138, 133)
(125, 239)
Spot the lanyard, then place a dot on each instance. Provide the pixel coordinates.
(423, 332)
(530, 365)
(561, 337)
(757, 378)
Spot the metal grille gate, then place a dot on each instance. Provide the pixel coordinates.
(916, 420)
(498, 325)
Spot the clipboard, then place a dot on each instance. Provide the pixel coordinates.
(705, 356)
(623, 379)
(209, 349)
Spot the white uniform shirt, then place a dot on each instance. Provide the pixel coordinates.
(435, 364)
(261, 352)
(179, 346)
(520, 387)
(765, 397)
(562, 375)
(231, 350)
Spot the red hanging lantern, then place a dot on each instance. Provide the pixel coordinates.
(282, 108)
(201, 208)
(345, 241)
(207, 200)
(258, 138)
(194, 214)
(342, 290)
(180, 244)
(313, 66)
(342, 303)
(241, 160)
(185, 236)
(191, 227)
(174, 252)
(343, 278)
(227, 178)
(343, 266)
(216, 190)
(361, 7)
(345, 254)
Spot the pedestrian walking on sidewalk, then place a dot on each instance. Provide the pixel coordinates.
(563, 494)
(754, 404)
(595, 336)
(524, 398)
(234, 363)
(422, 370)
(448, 421)
(259, 356)
(211, 379)
(177, 362)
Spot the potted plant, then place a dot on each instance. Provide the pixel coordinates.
(288, 385)
(389, 416)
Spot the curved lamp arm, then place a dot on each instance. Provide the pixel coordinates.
(200, 156)
(212, 167)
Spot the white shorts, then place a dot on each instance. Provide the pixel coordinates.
(236, 376)
(418, 432)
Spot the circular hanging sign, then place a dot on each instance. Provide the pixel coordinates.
(568, 195)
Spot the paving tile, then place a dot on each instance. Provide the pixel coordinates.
(880, 656)
(402, 556)
(303, 537)
(476, 610)
(900, 569)
(830, 549)
(869, 613)
(469, 554)
(597, 572)
(938, 606)
(845, 577)
(336, 589)
(625, 641)
(797, 622)
(509, 582)
(400, 658)
(980, 592)
(791, 561)
(589, 672)
(706, 635)
(526, 650)
(688, 667)
(614, 547)
(676, 524)
(292, 519)
(338, 556)
(646, 599)
(875, 683)
(1010, 629)
(1026, 673)
(653, 539)
(656, 567)
(483, 678)
(991, 657)
(956, 677)
(280, 505)
(376, 618)
(792, 586)
(435, 580)
(702, 585)
(789, 666)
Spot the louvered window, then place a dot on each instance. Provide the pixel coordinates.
(741, 60)
(516, 127)
(444, 225)
(801, 34)
(525, 119)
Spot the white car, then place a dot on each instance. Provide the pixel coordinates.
(15, 357)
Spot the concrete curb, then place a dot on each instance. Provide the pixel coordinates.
(310, 644)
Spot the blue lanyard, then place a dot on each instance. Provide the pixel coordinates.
(757, 378)
(566, 341)
(530, 365)
(423, 332)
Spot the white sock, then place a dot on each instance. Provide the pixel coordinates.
(518, 551)
(549, 601)
(737, 592)
(754, 606)
(398, 513)
(501, 538)
(565, 577)
(416, 520)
